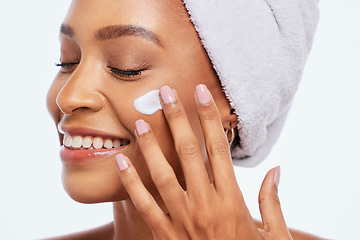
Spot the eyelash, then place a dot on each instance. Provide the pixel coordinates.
(65, 65)
(126, 73)
(117, 72)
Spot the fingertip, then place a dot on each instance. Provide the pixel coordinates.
(270, 183)
(202, 94)
(167, 95)
(122, 162)
(141, 127)
(269, 202)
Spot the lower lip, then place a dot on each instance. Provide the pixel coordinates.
(82, 156)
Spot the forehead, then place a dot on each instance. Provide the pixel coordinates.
(159, 16)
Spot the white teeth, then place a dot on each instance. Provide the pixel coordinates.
(108, 144)
(98, 143)
(77, 142)
(68, 141)
(87, 142)
(117, 143)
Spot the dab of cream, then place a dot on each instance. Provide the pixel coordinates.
(149, 103)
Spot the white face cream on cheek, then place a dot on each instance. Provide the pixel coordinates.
(149, 103)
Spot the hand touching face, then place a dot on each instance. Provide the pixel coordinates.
(205, 209)
(111, 53)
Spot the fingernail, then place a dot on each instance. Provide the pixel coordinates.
(202, 94)
(277, 176)
(122, 162)
(167, 94)
(141, 127)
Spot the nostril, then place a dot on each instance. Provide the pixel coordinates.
(70, 100)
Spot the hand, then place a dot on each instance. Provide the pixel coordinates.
(205, 210)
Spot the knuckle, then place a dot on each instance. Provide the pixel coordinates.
(218, 147)
(173, 112)
(188, 148)
(209, 113)
(130, 178)
(204, 220)
(145, 208)
(146, 139)
(163, 180)
(269, 199)
(204, 214)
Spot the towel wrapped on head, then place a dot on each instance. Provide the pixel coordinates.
(258, 48)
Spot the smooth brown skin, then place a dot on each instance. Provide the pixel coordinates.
(89, 95)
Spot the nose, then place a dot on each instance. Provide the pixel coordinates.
(80, 92)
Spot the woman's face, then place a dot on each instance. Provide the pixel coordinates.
(112, 53)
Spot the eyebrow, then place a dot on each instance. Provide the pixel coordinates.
(116, 31)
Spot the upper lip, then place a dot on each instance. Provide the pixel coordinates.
(83, 131)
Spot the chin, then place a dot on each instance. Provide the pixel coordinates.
(86, 186)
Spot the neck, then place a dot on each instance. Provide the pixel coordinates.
(128, 223)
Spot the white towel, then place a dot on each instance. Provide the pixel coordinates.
(258, 49)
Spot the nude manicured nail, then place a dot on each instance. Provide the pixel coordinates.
(277, 176)
(122, 162)
(167, 94)
(141, 127)
(202, 94)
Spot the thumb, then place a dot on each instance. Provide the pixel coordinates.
(269, 203)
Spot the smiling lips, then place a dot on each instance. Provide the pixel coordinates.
(89, 142)
(79, 149)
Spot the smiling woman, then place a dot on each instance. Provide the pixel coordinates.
(103, 71)
(169, 174)
(317, 149)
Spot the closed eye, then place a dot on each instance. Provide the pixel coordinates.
(67, 67)
(129, 73)
(126, 73)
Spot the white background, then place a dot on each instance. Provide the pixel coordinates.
(318, 150)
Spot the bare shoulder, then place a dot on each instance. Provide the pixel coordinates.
(296, 234)
(105, 232)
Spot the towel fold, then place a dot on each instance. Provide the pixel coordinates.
(258, 49)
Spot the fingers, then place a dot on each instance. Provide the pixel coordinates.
(161, 172)
(140, 196)
(186, 144)
(269, 203)
(218, 148)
